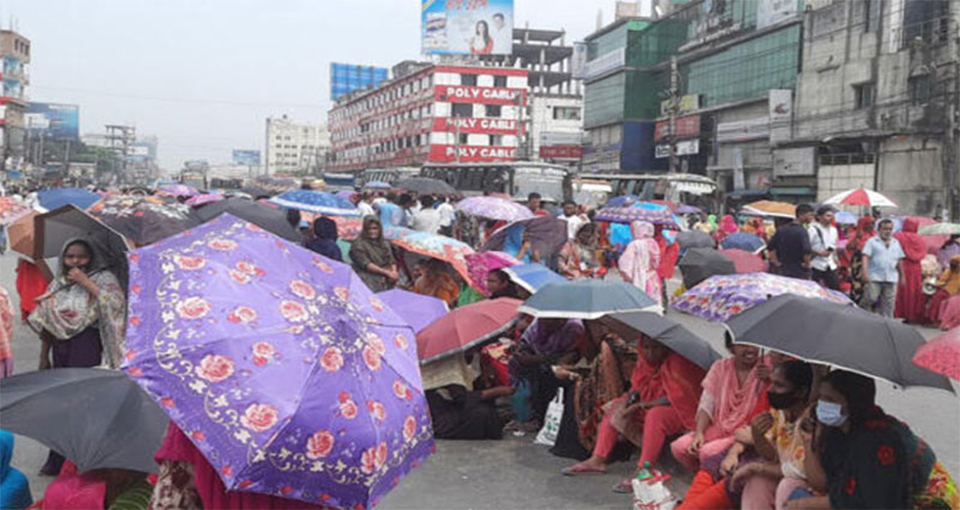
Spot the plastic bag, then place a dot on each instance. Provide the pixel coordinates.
(652, 493)
(551, 422)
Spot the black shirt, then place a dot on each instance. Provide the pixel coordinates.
(792, 243)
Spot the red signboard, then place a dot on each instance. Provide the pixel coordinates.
(687, 127)
(484, 95)
(561, 151)
(489, 126)
(471, 154)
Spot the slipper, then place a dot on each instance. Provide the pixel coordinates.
(624, 487)
(580, 470)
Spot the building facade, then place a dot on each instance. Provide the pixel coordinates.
(430, 113)
(295, 147)
(15, 53)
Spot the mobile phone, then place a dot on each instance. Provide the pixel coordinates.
(633, 398)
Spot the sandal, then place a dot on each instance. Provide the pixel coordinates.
(624, 487)
(581, 470)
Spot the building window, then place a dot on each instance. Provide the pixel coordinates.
(865, 94)
(463, 138)
(499, 81)
(462, 110)
(919, 89)
(468, 79)
(493, 110)
(566, 113)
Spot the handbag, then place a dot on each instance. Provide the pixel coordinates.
(551, 421)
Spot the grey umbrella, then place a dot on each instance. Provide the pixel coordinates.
(264, 216)
(695, 239)
(587, 299)
(671, 334)
(698, 264)
(96, 418)
(843, 336)
(427, 186)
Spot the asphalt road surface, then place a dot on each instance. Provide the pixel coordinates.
(514, 473)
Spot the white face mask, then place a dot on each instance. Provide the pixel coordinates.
(830, 414)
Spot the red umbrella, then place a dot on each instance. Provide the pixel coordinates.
(744, 261)
(941, 355)
(466, 327)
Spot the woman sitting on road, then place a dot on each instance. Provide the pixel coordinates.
(458, 408)
(578, 257)
(500, 285)
(324, 239)
(372, 257)
(860, 457)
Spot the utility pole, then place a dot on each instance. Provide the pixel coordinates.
(674, 108)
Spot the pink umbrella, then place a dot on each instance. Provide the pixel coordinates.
(208, 198)
(466, 327)
(941, 355)
(482, 263)
(744, 261)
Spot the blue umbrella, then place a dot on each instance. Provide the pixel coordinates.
(56, 198)
(532, 277)
(318, 202)
(417, 310)
(621, 201)
(587, 300)
(743, 241)
(377, 184)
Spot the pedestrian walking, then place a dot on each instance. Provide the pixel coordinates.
(448, 216)
(882, 257)
(789, 249)
(823, 245)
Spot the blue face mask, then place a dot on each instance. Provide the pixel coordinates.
(829, 414)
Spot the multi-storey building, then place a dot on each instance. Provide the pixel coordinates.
(15, 53)
(435, 113)
(295, 146)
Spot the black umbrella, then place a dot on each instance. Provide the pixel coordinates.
(694, 239)
(843, 336)
(53, 229)
(96, 418)
(144, 220)
(671, 334)
(698, 264)
(266, 217)
(426, 186)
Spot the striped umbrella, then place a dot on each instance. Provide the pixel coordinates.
(860, 196)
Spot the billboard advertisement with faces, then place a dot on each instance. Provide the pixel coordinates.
(466, 27)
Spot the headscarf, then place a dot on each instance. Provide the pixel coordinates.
(641, 259)
(67, 309)
(728, 225)
(14, 488)
(912, 243)
(712, 223)
(865, 230)
(577, 259)
(950, 279)
(325, 239)
(559, 341)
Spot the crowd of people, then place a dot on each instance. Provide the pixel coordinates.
(754, 430)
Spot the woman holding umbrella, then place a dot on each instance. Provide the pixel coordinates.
(80, 318)
(578, 257)
(372, 257)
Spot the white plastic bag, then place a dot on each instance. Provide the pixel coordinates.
(653, 494)
(551, 422)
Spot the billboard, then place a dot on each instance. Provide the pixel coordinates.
(466, 27)
(246, 157)
(687, 127)
(484, 95)
(489, 126)
(771, 12)
(347, 78)
(471, 154)
(53, 120)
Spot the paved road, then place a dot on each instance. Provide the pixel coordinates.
(514, 473)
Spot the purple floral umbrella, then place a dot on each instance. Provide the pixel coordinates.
(720, 297)
(287, 373)
(178, 190)
(495, 208)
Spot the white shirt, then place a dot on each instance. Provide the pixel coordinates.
(447, 214)
(502, 39)
(366, 209)
(573, 224)
(822, 238)
(427, 220)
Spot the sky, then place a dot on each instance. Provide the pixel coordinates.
(203, 75)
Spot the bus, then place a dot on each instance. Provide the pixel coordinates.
(390, 176)
(514, 178)
(339, 182)
(692, 189)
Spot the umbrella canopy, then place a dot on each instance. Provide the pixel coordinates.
(941, 354)
(940, 229)
(281, 366)
(587, 299)
(21, 234)
(547, 234)
(494, 208)
(207, 198)
(112, 422)
(860, 196)
(687, 209)
(377, 185)
(743, 241)
(485, 261)
(319, 202)
(266, 217)
(621, 201)
(720, 297)
(417, 310)
(695, 239)
(346, 194)
(12, 210)
(53, 229)
(698, 264)
(661, 216)
(845, 218)
(435, 246)
(427, 186)
(177, 190)
(58, 197)
(466, 327)
(770, 208)
(532, 277)
(745, 261)
(842, 336)
(671, 334)
(144, 220)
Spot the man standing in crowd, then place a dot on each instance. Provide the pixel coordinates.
(823, 245)
(533, 203)
(790, 247)
(408, 205)
(447, 216)
(573, 218)
(881, 258)
(363, 205)
(427, 219)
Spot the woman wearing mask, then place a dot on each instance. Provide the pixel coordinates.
(372, 257)
(860, 457)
